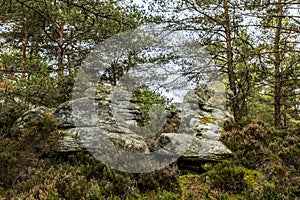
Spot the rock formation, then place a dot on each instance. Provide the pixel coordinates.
(106, 114)
(203, 114)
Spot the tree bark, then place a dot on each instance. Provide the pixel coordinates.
(277, 70)
(24, 54)
(60, 50)
(230, 64)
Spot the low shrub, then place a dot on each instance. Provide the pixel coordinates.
(80, 176)
(274, 153)
(9, 113)
(234, 179)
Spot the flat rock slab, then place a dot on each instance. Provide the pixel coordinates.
(95, 138)
(192, 148)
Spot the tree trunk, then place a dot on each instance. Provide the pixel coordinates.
(277, 70)
(230, 66)
(24, 54)
(60, 51)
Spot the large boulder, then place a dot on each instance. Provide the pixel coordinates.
(102, 116)
(192, 148)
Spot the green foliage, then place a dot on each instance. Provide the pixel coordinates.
(41, 85)
(193, 187)
(146, 98)
(250, 61)
(260, 109)
(44, 89)
(46, 41)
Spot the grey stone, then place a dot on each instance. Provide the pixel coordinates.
(79, 112)
(95, 138)
(105, 118)
(202, 114)
(192, 148)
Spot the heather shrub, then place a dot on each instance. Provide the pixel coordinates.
(40, 137)
(23, 149)
(249, 145)
(80, 176)
(32, 168)
(9, 113)
(255, 146)
(163, 179)
(265, 166)
(14, 162)
(274, 153)
(59, 181)
(8, 163)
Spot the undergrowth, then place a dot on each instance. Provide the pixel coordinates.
(265, 165)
